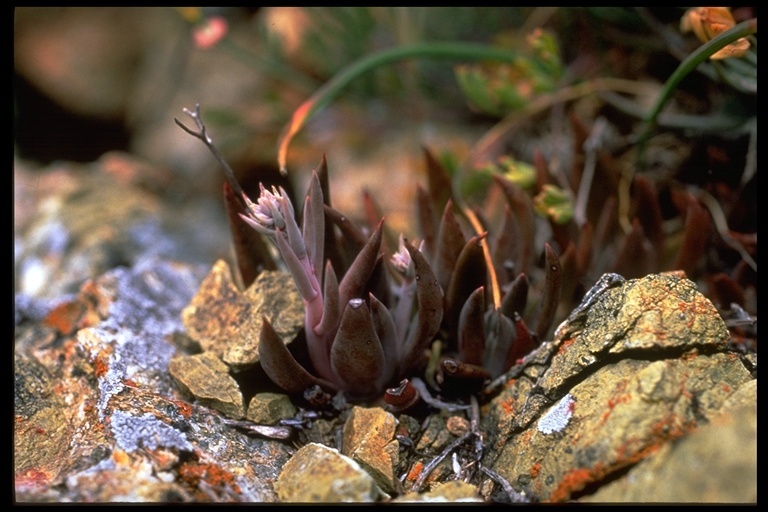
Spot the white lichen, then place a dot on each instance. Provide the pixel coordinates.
(558, 416)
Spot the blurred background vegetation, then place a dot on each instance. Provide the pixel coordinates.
(92, 80)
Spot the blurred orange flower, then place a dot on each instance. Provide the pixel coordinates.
(708, 23)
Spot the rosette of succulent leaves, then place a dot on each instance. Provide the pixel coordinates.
(372, 321)
(370, 329)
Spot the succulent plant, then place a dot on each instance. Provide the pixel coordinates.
(369, 331)
(453, 308)
(356, 343)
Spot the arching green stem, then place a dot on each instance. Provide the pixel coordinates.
(324, 95)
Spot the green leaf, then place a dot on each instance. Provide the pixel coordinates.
(554, 203)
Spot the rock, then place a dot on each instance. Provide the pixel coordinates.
(717, 458)
(647, 366)
(448, 492)
(83, 220)
(228, 323)
(319, 474)
(206, 378)
(270, 408)
(98, 418)
(368, 438)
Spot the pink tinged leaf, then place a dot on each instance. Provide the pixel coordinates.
(439, 182)
(553, 282)
(425, 216)
(356, 279)
(500, 335)
(280, 365)
(357, 358)
(450, 241)
(525, 342)
(331, 304)
(320, 334)
(350, 232)
(303, 281)
(384, 326)
(430, 309)
(313, 226)
(469, 273)
(257, 226)
(295, 238)
(506, 248)
(251, 252)
(522, 208)
(472, 328)
(516, 298)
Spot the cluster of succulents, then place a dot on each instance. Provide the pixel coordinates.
(453, 307)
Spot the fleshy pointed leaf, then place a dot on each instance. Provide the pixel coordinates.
(280, 365)
(450, 242)
(402, 396)
(506, 248)
(472, 329)
(351, 234)
(500, 335)
(525, 342)
(251, 252)
(384, 325)
(298, 272)
(354, 283)
(357, 357)
(522, 208)
(430, 308)
(426, 221)
(438, 181)
(516, 298)
(469, 273)
(552, 287)
(313, 227)
(331, 306)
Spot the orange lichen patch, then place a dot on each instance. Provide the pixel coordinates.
(32, 478)
(100, 367)
(669, 429)
(694, 309)
(662, 432)
(130, 383)
(508, 406)
(193, 473)
(622, 398)
(415, 471)
(184, 408)
(575, 480)
(565, 345)
(68, 317)
(535, 469)
(121, 458)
